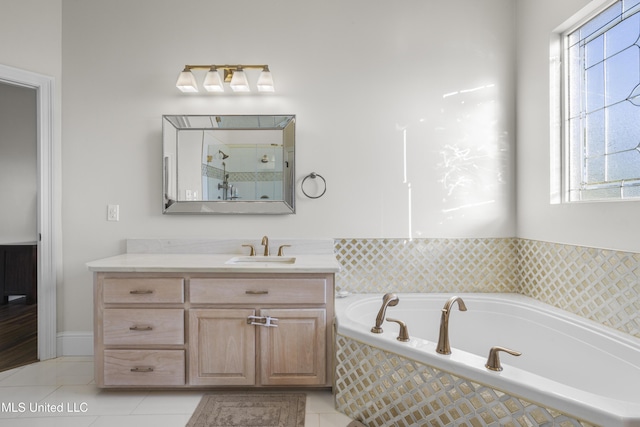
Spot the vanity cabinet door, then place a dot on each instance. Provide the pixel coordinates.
(222, 347)
(294, 352)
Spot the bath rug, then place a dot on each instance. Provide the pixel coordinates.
(233, 409)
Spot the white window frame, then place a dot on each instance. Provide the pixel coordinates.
(560, 162)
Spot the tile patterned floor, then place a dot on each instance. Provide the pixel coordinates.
(61, 392)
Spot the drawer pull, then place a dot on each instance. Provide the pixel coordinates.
(142, 292)
(141, 328)
(142, 369)
(256, 292)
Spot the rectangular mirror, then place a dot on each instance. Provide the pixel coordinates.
(228, 164)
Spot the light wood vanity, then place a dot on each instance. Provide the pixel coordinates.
(206, 324)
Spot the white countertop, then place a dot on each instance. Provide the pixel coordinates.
(212, 263)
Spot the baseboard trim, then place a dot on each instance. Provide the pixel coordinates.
(74, 344)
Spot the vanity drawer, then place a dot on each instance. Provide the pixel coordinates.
(144, 367)
(263, 291)
(145, 326)
(133, 290)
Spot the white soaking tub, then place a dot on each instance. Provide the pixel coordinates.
(588, 373)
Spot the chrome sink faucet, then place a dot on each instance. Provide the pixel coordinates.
(265, 243)
(444, 347)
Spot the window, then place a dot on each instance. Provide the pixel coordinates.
(602, 105)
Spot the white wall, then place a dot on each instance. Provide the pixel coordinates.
(31, 31)
(363, 78)
(18, 186)
(612, 225)
(31, 34)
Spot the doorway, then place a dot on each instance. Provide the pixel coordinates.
(18, 227)
(45, 235)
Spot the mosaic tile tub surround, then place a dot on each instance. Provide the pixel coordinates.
(598, 284)
(383, 389)
(427, 265)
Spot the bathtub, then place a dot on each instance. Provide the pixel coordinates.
(585, 371)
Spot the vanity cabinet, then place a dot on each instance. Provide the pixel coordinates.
(278, 338)
(213, 329)
(139, 330)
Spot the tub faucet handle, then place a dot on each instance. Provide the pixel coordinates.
(493, 362)
(252, 251)
(404, 332)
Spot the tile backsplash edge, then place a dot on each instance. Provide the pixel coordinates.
(598, 284)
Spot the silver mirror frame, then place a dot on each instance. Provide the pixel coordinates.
(233, 207)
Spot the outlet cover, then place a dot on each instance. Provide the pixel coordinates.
(113, 212)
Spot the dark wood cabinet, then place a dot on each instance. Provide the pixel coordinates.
(19, 271)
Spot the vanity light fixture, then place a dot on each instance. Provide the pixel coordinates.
(232, 74)
(265, 81)
(187, 81)
(239, 82)
(212, 81)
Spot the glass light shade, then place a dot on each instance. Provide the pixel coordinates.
(212, 81)
(187, 81)
(239, 82)
(265, 81)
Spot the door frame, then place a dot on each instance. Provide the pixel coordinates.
(44, 86)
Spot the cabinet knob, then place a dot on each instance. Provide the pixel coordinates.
(250, 292)
(141, 292)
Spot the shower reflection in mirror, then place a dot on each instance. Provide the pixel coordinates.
(241, 171)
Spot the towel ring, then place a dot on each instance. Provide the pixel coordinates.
(314, 175)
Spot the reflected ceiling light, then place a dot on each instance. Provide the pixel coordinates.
(234, 75)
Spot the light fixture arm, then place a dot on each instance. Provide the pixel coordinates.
(224, 67)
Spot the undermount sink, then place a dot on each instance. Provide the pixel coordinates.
(248, 260)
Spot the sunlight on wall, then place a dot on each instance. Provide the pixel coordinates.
(456, 165)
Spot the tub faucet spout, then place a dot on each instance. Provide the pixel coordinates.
(387, 300)
(444, 347)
